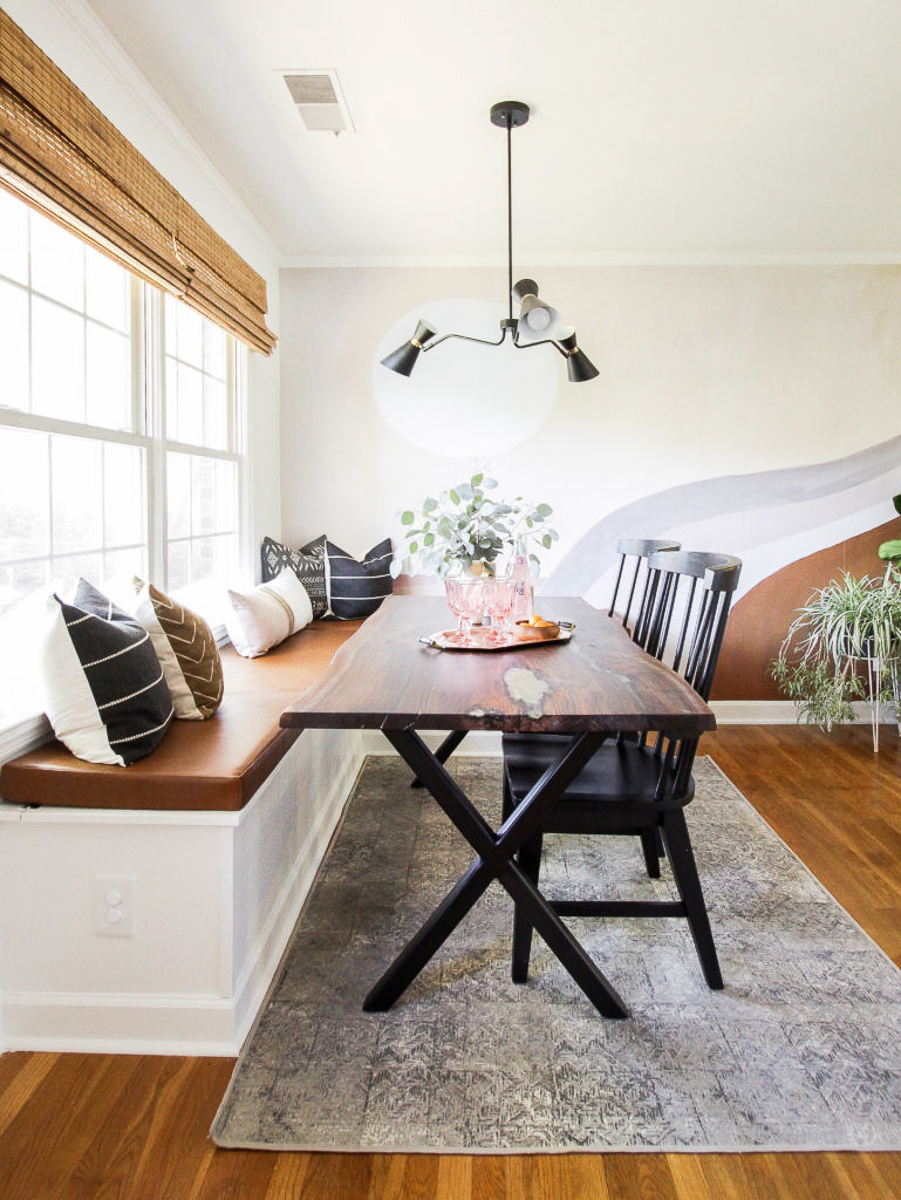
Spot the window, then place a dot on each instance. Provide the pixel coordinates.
(120, 435)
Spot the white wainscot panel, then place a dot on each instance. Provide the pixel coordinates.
(216, 897)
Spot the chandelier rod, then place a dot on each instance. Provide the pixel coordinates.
(509, 217)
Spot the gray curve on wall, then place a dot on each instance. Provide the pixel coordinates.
(653, 515)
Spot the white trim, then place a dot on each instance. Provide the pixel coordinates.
(754, 712)
(481, 743)
(48, 814)
(770, 712)
(785, 257)
(20, 736)
(100, 1023)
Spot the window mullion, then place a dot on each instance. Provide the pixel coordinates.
(238, 366)
(155, 422)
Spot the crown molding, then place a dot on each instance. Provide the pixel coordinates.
(613, 258)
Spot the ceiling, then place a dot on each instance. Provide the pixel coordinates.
(661, 129)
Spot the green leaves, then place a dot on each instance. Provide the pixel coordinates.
(891, 551)
(844, 630)
(465, 525)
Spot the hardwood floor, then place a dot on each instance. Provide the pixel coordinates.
(102, 1127)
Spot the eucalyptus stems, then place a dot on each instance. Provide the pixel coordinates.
(464, 526)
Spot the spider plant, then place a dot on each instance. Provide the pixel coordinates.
(844, 645)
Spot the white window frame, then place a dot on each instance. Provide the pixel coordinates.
(18, 735)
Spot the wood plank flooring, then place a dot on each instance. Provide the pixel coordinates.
(126, 1127)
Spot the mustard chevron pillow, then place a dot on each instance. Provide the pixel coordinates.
(187, 650)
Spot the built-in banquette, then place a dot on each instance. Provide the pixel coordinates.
(214, 839)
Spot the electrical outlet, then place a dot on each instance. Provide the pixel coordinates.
(114, 904)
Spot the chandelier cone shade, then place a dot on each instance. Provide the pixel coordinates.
(537, 323)
(403, 359)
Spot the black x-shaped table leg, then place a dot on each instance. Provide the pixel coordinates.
(495, 860)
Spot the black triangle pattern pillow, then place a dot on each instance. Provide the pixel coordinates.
(308, 564)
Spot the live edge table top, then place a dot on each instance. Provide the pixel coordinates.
(385, 678)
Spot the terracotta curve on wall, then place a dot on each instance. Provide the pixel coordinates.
(759, 621)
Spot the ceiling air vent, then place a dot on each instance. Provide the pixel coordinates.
(319, 100)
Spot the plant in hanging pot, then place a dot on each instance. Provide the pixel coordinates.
(464, 529)
(844, 645)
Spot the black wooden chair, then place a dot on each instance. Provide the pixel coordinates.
(633, 592)
(628, 573)
(639, 787)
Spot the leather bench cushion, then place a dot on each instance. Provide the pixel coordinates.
(212, 765)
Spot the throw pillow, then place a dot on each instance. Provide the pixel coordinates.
(260, 619)
(105, 692)
(187, 650)
(307, 562)
(356, 589)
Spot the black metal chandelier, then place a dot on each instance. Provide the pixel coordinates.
(537, 324)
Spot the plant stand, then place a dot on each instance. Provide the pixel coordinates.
(876, 671)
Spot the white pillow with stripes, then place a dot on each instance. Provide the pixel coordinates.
(260, 619)
(104, 690)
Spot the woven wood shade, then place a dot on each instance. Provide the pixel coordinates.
(60, 154)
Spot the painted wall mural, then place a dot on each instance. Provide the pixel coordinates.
(794, 530)
(751, 409)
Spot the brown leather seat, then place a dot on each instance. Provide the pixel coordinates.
(211, 765)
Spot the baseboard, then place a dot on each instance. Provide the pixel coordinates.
(728, 712)
(482, 743)
(754, 712)
(92, 1023)
(775, 712)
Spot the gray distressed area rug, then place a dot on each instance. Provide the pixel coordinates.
(801, 1051)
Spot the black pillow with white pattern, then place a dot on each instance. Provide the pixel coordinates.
(105, 693)
(357, 587)
(308, 564)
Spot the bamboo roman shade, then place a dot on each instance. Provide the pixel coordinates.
(60, 154)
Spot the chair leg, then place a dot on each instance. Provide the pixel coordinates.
(507, 803)
(529, 859)
(651, 848)
(685, 873)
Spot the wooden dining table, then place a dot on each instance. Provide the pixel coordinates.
(591, 687)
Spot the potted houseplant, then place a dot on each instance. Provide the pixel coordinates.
(845, 645)
(465, 529)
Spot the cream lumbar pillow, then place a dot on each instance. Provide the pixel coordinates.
(260, 619)
(187, 650)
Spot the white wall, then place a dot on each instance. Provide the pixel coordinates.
(704, 371)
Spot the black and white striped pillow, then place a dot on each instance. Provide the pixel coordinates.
(106, 696)
(356, 589)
